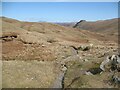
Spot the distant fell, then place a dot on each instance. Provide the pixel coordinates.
(109, 27)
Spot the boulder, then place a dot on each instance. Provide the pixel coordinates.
(111, 63)
(115, 79)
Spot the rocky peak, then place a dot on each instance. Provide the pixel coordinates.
(78, 23)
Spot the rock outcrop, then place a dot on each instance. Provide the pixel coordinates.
(111, 65)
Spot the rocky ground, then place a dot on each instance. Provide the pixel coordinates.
(45, 55)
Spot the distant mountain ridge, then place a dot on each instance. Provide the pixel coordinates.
(102, 26)
(68, 24)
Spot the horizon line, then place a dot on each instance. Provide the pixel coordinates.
(60, 21)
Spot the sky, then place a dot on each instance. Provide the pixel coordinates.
(60, 0)
(60, 11)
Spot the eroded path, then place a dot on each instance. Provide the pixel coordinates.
(59, 82)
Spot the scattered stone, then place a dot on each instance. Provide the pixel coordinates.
(95, 71)
(88, 73)
(8, 39)
(91, 45)
(84, 48)
(43, 45)
(102, 55)
(102, 66)
(51, 40)
(115, 79)
(85, 60)
(64, 69)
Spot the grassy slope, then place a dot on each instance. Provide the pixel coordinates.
(44, 42)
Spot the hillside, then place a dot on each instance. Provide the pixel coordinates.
(46, 55)
(109, 27)
(47, 34)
